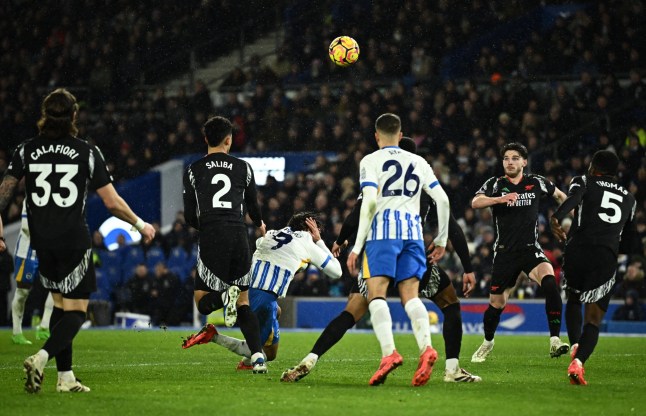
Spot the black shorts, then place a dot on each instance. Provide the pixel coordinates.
(589, 272)
(69, 272)
(507, 266)
(434, 281)
(224, 249)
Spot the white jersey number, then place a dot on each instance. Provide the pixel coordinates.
(408, 177)
(217, 202)
(607, 203)
(44, 170)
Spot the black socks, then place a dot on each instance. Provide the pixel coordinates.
(553, 304)
(333, 333)
(248, 323)
(491, 320)
(452, 330)
(210, 302)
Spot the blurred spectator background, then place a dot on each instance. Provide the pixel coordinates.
(465, 76)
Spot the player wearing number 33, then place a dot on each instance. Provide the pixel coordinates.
(391, 181)
(59, 170)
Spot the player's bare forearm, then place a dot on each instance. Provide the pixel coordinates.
(7, 187)
(559, 195)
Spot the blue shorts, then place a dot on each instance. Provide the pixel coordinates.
(397, 259)
(26, 270)
(265, 306)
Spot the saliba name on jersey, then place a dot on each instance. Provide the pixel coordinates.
(219, 164)
(59, 148)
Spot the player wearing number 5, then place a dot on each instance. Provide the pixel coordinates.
(390, 226)
(59, 170)
(603, 215)
(219, 190)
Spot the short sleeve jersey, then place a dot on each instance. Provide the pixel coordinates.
(58, 175)
(280, 255)
(604, 210)
(220, 188)
(516, 225)
(400, 177)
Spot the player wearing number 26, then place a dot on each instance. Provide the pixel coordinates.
(59, 170)
(219, 190)
(391, 181)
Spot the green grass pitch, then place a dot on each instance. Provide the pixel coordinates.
(147, 372)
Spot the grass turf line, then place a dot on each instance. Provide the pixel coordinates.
(147, 372)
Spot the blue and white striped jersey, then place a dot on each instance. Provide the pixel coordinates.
(23, 244)
(280, 254)
(399, 177)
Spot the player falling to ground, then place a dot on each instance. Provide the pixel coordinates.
(603, 215)
(26, 273)
(435, 285)
(218, 190)
(59, 170)
(278, 257)
(390, 226)
(514, 200)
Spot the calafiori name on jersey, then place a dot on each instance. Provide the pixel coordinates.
(219, 164)
(59, 148)
(613, 186)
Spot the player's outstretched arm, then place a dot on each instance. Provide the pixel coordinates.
(120, 209)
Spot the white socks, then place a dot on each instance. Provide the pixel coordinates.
(382, 324)
(47, 312)
(311, 357)
(234, 345)
(18, 309)
(419, 320)
(66, 376)
(452, 365)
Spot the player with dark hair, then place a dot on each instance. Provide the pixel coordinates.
(435, 285)
(219, 190)
(392, 181)
(278, 257)
(603, 215)
(514, 200)
(59, 170)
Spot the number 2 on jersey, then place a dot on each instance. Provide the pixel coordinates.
(409, 176)
(41, 182)
(217, 201)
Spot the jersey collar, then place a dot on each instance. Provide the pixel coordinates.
(390, 147)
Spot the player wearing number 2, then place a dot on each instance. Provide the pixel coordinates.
(219, 190)
(278, 257)
(514, 200)
(603, 215)
(390, 226)
(59, 170)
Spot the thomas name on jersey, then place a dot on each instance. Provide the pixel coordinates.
(219, 164)
(64, 150)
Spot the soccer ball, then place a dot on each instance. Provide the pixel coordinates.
(433, 319)
(344, 51)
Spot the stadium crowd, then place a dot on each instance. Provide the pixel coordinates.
(304, 103)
